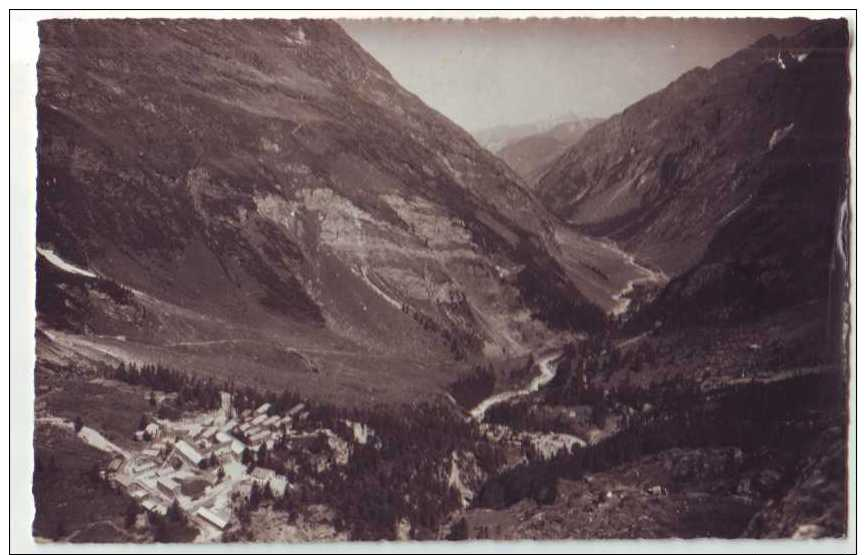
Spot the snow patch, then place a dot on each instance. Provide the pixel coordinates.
(52, 257)
(779, 135)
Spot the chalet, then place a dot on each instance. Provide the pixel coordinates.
(257, 421)
(222, 438)
(137, 492)
(154, 506)
(213, 517)
(114, 466)
(168, 486)
(143, 467)
(263, 409)
(152, 430)
(148, 481)
(238, 448)
(296, 409)
(194, 431)
(272, 422)
(229, 426)
(258, 438)
(188, 452)
(264, 476)
(151, 452)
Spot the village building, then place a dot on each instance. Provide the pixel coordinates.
(222, 438)
(188, 452)
(143, 467)
(137, 492)
(154, 507)
(152, 430)
(296, 409)
(168, 486)
(114, 466)
(266, 476)
(238, 448)
(259, 419)
(258, 438)
(229, 426)
(263, 409)
(213, 517)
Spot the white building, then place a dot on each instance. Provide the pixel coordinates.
(263, 409)
(265, 476)
(168, 486)
(213, 517)
(154, 506)
(223, 438)
(188, 452)
(143, 467)
(238, 448)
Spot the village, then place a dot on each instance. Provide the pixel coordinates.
(201, 463)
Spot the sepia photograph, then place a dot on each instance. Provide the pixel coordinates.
(444, 277)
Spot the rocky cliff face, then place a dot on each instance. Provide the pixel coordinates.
(732, 180)
(272, 176)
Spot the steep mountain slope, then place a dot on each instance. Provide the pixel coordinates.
(269, 183)
(533, 155)
(733, 178)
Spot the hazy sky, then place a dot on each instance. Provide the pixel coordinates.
(483, 74)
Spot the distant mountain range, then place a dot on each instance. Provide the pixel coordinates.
(532, 155)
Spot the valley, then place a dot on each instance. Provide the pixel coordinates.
(282, 299)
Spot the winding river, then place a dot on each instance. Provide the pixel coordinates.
(546, 372)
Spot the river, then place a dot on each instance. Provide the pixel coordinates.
(546, 372)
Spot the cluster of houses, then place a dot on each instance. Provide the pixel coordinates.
(199, 463)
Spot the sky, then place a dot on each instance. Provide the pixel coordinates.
(486, 73)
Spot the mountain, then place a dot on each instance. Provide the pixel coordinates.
(531, 156)
(498, 137)
(260, 200)
(732, 180)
